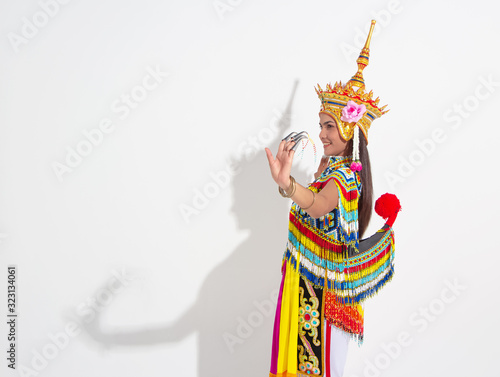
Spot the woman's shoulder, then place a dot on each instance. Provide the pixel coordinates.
(341, 174)
(344, 173)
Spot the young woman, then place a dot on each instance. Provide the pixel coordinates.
(327, 271)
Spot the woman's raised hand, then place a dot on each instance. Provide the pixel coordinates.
(281, 166)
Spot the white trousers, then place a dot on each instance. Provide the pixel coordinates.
(339, 344)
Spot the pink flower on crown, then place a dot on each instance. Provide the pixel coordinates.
(352, 112)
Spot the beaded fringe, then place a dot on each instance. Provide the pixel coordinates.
(351, 280)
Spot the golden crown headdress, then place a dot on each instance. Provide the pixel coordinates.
(350, 105)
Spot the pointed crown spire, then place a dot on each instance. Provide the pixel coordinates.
(357, 80)
(335, 98)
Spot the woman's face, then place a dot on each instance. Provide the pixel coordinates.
(333, 143)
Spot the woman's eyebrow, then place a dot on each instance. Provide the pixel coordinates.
(328, 121)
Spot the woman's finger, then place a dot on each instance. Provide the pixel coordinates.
(283, 149)
(270, 157)
(281, 146)
(289, 145)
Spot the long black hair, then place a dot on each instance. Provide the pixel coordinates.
(366, 199)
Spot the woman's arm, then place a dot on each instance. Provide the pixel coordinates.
(322, 203)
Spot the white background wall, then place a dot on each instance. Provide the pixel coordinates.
(196, 244)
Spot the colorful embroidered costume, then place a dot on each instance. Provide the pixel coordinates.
(326, 277)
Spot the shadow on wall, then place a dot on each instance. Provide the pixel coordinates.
(233, 314)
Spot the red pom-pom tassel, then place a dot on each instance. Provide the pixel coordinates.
(387, 207)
